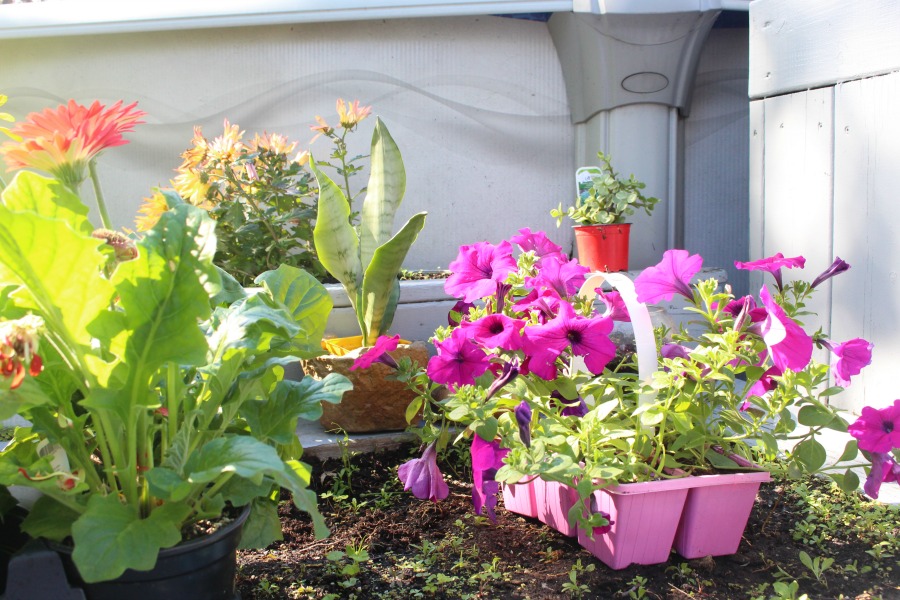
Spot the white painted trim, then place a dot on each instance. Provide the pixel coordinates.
(43, 19)
(653, 7)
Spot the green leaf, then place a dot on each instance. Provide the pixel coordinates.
(262, 527)
(811, 454)
(242, 455)
(851, 451)
(49, 519)
(275, 418)
(812, 415)
(488, 429)
(720, 461)
(335, 239)
(30, 192)
(166, 484)
(111, 537)
(384, 193)
(380, 277)
(851, 481)
(307, 301)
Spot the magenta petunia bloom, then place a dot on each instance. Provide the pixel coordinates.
(773, 265)
(674, 351)
(765, 383)
(615, 306)
(423, 477)
(378, 353)
(459, 361)
(487, 458)
(458, 313)
(509, 372)
(884, 470)
(563, 277)
(602, 529)
(671, 276)
(585, 337)
(848, 359)
(537, 242)
(878, 430)
(789, 346)
(478, 269)
(496, 331)
(838, 266)
(544, 302)
(747, 306)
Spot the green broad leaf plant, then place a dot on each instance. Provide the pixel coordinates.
(152, 406)
(367, 259)
(607, 199)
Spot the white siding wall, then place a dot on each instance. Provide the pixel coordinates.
(825, 165)
(477, 105)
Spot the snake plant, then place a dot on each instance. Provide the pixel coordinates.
(367, 259)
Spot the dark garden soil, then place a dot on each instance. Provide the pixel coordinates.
(407, 548)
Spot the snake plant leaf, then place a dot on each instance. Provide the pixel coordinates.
(384, 193)
(381, 277)
(337, 243)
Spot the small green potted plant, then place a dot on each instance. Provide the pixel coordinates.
(603, 203)
(366, 259)
(155, 397)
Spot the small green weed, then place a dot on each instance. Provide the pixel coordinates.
(572, 587)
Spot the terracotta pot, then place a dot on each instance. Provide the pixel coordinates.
(375, 403)
(603, 247)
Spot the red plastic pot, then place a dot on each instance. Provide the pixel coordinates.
(603, 247)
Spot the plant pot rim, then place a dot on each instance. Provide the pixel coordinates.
(689, 481)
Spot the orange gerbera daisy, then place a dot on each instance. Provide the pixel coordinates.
(62, 141)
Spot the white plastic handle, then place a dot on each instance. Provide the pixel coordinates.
(640, 322)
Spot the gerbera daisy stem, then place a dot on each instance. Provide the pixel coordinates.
(98, 194)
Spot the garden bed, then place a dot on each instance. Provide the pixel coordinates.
(387, 544)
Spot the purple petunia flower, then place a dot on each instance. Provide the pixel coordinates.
(487, 458)
(848, 359)
(878, 430)
(458, 361)
(544, 302)
(671, 276)
(458, 313)
(773, 265)
(764, 384)
(496, 331)
(747, 306)
(378, 353)
(588, 338)
(537, 242)
(884, 470)
(602, 529)
(523, 419)
(423, 477)
(838, 266)
(789, 346)
(478, 269)
(674, 351)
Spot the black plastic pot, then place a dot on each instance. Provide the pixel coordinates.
(199, 569)
(11, 539)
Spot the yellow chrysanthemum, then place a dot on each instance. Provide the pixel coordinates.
(274, 142)
(302, 158)
(196, 155)
(191, 186)
(150, 211)
(227, 147)
(351, 114)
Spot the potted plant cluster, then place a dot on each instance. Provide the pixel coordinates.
(156, 397)
(366, 259)
(625, 459)
(603, 203)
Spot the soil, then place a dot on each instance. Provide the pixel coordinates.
(421, 549)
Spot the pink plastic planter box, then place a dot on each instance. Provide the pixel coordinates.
(520, 499)
(554, 500)
(645, 516)
(716, 513)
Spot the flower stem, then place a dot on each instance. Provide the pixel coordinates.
(98, 194)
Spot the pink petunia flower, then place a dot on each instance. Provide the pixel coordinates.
(563, 277)
(765, 383)
(773, 265)
(585, 337)
(544, 302)
(671, 276)
(378, 353)
(848, 359)
(477, 270)
(423, 477)
(487, 458)
(537, 242)
(789, 346)
(458, 361)
(878, 430)
(615, 306)
(884, 470)
(496, 331)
